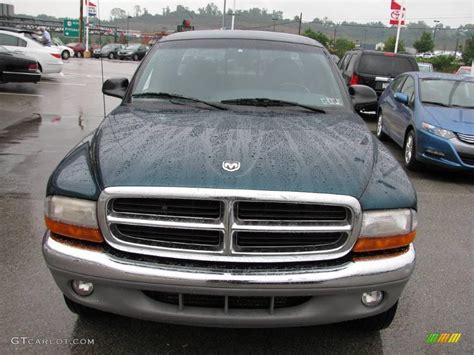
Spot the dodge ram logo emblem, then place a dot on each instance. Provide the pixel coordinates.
(231, 165)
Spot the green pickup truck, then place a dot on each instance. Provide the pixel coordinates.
(234, 186)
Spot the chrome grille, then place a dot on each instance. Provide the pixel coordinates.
(251, 226)
(466, 138)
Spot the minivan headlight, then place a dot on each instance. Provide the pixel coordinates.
(440, 132)
(74, 218)
(383, 230)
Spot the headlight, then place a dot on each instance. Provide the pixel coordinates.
(440, 132)
(73, 218)
(382, 230)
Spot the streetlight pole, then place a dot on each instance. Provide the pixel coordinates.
(434, 33)
(233, 17)
(223, 14)
(128, 23)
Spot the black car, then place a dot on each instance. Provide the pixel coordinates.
(133, 51)
(108, 51)
(374, 68)
(18, 68)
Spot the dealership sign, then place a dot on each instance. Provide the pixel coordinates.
(397, 14)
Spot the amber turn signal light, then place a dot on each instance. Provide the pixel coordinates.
(383, 243)
(76, 232)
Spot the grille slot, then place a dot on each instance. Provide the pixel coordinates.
(169, 207)
(466, 138)
(467, 158)
(269, 211)
(273, 242)
(233, 302)
(168, 237)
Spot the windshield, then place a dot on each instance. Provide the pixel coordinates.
(424, 67)
(58, 42)
(464, 71)
(447, 92)
(383, 65)
(226, 69)
(133, 46)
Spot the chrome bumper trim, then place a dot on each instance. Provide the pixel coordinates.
(94, 264)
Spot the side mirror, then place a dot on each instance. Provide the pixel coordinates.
(362, 96)
(116, 87)
(402, 98)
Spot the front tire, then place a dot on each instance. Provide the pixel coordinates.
(409, 149)
(135, 57)
(65, 55)
(374, 323)
(380, 133)
(111, 56)
(79, 55)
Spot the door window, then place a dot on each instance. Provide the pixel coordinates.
(409, 88)
(6, 40)
(397, 83)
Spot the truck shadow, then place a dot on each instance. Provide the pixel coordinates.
(125, 335)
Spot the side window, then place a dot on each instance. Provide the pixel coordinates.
(6, 40)
(21, 43)
(397, 83)
(340, 65)
(409, 88)
(351, 65)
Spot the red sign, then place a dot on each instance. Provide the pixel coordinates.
(397, 14)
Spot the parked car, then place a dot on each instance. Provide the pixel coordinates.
(426, 67)
(15, 67)
(48, 58)
(465, 71)
(133, 52)
(56, 42)
(66, 52)
(375, 69)
(430, 115)
(109, 51)
(234, 186)
(78, 48)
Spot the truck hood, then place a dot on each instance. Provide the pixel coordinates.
(285, 151)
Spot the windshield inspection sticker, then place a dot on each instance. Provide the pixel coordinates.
(331, 101)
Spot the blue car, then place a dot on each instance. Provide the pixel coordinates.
(431, 116)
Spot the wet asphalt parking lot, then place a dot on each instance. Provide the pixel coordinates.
(40, 123)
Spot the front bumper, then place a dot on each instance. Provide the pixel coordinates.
(119, 284)
(453, 149)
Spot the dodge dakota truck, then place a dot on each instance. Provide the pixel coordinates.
(234, 186)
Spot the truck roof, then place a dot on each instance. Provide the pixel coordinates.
(239, 34)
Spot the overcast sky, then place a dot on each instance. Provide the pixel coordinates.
(449, 12)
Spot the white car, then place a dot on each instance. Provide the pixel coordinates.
(66, 52)
(49, 58)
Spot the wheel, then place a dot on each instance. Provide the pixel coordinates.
(380, 133)
(409, 148)
(374, 323)
(79, 309)
(65, 55)
(135, 57)
(79, 55)
(111, 56)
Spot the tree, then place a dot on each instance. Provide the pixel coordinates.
(138, 10)
(118, 13)
(390, 45)
(342, 46)
(318, 36)
(468, 54)
(424, 43)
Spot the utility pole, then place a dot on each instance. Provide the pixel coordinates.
(223, 14)
(301, 21)
(81, 19)
(434, 33)
(233, 18)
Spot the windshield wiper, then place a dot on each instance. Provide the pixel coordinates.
(264, 102)
(435, 103)
(169, 96)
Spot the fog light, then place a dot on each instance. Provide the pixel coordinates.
(372, 299)
(82, 288)
(435, 153)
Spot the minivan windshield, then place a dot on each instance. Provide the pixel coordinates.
(450, 93)
(385, 65)
(217, 70)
